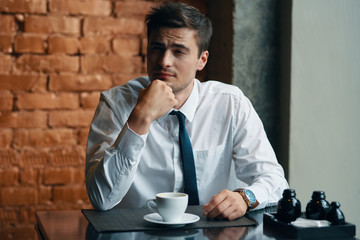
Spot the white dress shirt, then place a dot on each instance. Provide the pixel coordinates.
(125, 169)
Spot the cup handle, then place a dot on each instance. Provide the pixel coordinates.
(152, 208)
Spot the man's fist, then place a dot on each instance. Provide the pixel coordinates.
(153, 102)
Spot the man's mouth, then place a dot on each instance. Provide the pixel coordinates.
(163, 75)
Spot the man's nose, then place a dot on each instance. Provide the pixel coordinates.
(166, 59)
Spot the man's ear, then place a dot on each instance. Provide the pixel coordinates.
(203, 60)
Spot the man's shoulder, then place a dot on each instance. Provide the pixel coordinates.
(132, 87)
(125, 96)
(212, 87)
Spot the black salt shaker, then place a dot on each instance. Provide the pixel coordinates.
(317, 207)
(289, 207)
(335, 215)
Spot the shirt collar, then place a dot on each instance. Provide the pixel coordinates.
(190, 105)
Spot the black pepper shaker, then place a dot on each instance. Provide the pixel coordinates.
(317, 207)
(288, 208)
(335, 215)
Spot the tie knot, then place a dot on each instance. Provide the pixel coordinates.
(179, 115)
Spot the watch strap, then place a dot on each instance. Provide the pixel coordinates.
(249, 197)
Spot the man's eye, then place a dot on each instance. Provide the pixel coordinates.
(179, 52)
(156, 48)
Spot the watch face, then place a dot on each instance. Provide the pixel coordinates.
(250, 195)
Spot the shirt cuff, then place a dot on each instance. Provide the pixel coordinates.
(260, 196)
(143, 136)
(129, 142)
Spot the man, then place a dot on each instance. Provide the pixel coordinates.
(133, 148)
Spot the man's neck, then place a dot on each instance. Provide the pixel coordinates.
(182, 95)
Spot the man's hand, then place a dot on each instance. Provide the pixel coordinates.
(153, 102)
(226, 204)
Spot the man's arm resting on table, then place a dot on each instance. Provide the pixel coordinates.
(110, 172)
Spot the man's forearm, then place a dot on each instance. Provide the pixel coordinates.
(106, 184)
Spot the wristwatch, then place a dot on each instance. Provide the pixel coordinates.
(249, 197)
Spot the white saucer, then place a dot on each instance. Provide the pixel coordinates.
(186, 219)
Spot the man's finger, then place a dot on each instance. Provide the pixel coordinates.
(226, 204)
(214, 201)
(218, 205)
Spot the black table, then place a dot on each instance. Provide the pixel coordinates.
(72, 224)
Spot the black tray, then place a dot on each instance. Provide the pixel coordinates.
(272, 226)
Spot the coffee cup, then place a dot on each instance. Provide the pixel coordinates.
(170, 206)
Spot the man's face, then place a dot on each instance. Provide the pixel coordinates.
(173, 57)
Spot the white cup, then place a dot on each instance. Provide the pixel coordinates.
(170, 205)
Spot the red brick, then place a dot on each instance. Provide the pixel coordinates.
(8, 217)
(6, 43)
(45, 195)
(29, 82)
(6, 101)
(10, 196)
(121, 79)
(54, 176)
(22, 119)
(6, 137)
(45, 137)
(68, 156)
(47, 101)
(75, 7)
(84, 133)
(72, 82)
(70, 194)
(79, 175)
(8, 158)
(110, 64)
(48, 63)
(133, 8)
(27, 43)
(52, 24)
(5, 65)
(33, 158)
(9, 176)
(144, 43)
(23, 6)
(126, 46)
(27, 215)
(29, 177)
(7, 24)
(107, 26)
(60, 44)
(94, 44)
(76, 118)
(89, 100)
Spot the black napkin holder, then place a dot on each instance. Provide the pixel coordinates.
(276, 228)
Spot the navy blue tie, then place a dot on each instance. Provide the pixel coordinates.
(190, 186)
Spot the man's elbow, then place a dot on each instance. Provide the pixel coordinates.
(97, 200)
(101, 207)
(100, 204)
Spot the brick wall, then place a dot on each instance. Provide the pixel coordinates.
(56, 56)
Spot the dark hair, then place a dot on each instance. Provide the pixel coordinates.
(178, 15)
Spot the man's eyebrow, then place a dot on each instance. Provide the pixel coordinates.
(174, 45)
(182, 46)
